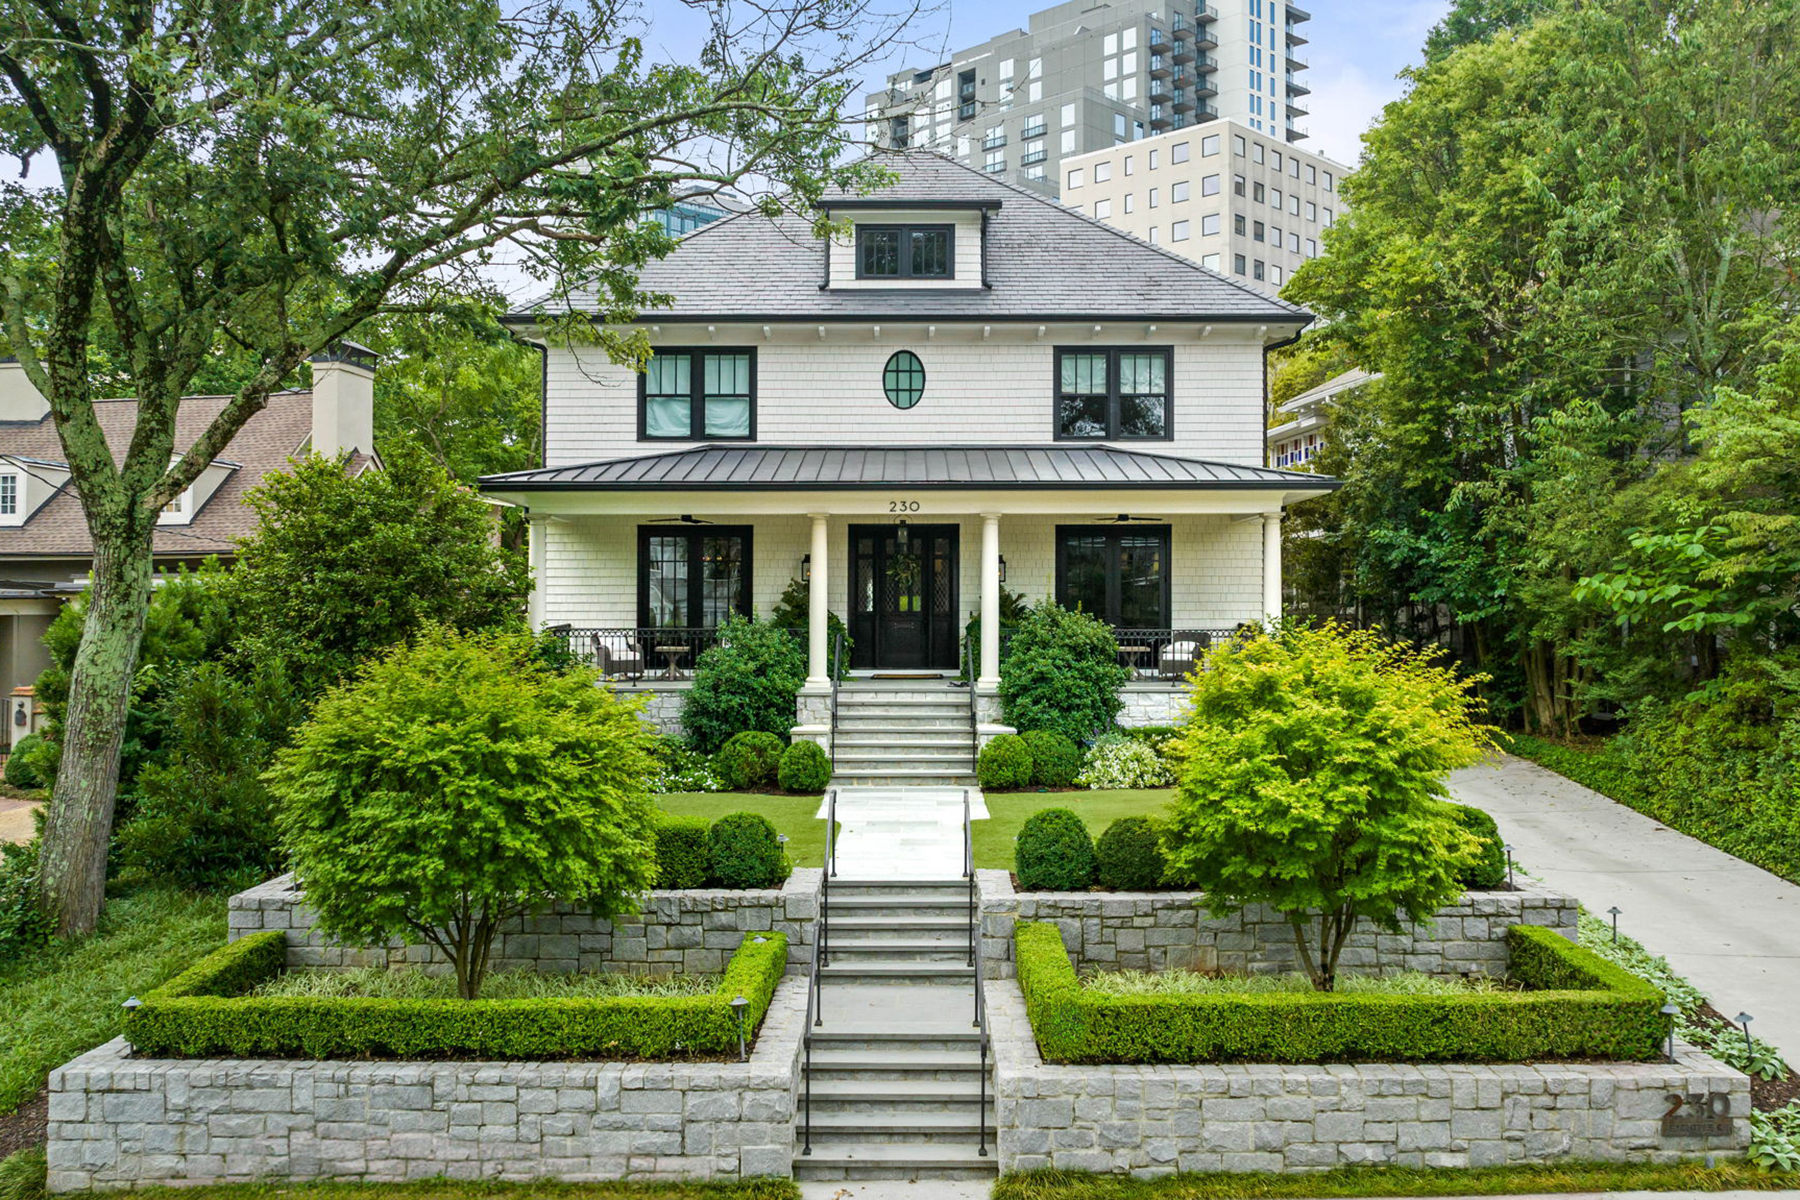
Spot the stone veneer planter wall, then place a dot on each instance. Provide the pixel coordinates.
(677, 932)
(1153, 1120)
(1153, 931)
(120, 1122)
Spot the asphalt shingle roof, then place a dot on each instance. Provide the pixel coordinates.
(1044, 261)
(264, 445)
(780, 468)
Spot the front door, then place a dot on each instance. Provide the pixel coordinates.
(903, 597)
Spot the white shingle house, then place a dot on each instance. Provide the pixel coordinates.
(973, 390)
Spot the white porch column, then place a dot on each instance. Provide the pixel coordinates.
(990, 602)
(1272, 565)
(818, 608)
(536, 545)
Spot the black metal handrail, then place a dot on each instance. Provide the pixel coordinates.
(981, 1019)
(639, 652)
(837, 672)
(972, 669)
(815, 1007)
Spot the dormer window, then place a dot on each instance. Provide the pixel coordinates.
(905, 252)
(9, 495)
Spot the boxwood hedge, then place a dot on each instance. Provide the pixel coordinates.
(1585, 1008)
(204, 1013)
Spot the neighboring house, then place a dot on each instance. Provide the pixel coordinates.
(688, 213)
(975, 388)
(45, 552)
(1296, 441)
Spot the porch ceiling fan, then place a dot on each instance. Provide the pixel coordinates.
(1125, 519)
(683, 519)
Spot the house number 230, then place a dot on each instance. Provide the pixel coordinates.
(903, 506)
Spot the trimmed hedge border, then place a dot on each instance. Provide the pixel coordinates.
(203, 1013)
(1589, 1009)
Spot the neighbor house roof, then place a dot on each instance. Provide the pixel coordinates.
(1042, 262)
(786, 468)
(264, 445)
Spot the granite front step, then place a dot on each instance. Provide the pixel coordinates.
(891, 1160)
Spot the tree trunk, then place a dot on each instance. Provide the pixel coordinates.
(78, 828)
(1540, 690)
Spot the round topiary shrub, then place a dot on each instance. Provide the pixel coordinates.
(1054, 758)
(1488, 871)
(1130, 855)
(750, 761)
(1062, 672)
(681, 852)
(1054, 853)
(743, 852)
(805, 767)
(21, 769)
(1005, 764)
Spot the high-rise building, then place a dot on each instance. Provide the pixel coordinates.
(1086, 76)
(1246, 204)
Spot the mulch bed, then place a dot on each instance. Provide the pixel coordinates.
(25, 1126)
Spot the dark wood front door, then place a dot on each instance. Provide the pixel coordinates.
(903, 597)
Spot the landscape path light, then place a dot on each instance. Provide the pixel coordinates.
(1511, 886)
(1613, 912)
(1744, 1019)
(737, 1010)
(1671, 1012)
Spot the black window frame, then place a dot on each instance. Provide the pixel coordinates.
(888, 369)
(1112, 392)
(906, 266)
(693, 533)
(696, 396)
(1112, 534)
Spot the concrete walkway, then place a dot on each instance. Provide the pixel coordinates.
(902, 832)
(16, 824)
(1731, 928)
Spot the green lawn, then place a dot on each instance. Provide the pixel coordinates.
(1007, 811)
(1398, 1181)
(64, 1000)
(794, 816)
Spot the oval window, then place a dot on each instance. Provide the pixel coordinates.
(903, 379)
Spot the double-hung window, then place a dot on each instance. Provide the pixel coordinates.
(685, 395)
(1113, 394)
(1120, 575)
(905, 252)
(9, 495)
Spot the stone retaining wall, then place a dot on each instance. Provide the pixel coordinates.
(1154, 931)
(1153, 1120)
(1152, 704)
(663, 700)
(677, 932)
(120, 1122)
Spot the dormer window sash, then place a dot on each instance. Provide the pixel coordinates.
(910, 251)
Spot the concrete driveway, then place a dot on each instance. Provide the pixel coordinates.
(1731, 928)
(16, 823)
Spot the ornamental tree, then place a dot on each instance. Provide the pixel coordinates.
(459, 784)
(210, 184)
(1313, 781)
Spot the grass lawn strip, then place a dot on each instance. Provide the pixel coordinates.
(1200, 983)
(1397, 1181)
(65, 1000)
(796, 816)
(1008, 811)
(411, 983)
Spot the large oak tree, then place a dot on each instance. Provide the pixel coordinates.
(254, 181)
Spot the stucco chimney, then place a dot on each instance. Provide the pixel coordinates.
(343, 399)
(19, 398)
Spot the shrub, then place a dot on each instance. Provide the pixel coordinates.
(748, 680)
(682, 856)
(24, 926)
(1054, 758)
(1153, 736)
(1061, 673)
(1488, 870)
(204, 817)
(456, 786)
(749, 761)
(25, 1174)
(743, 851)
(1585, 1008)
(1005, 764)
(681, 768)
(204, 1013)
(1114, 762)
(1054, 853)
(1129, 855)
(21, 764)
(793, 612)
(1315, 765)
(805, 767)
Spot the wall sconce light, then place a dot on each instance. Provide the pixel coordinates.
(1003, 568)
(806, 568)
